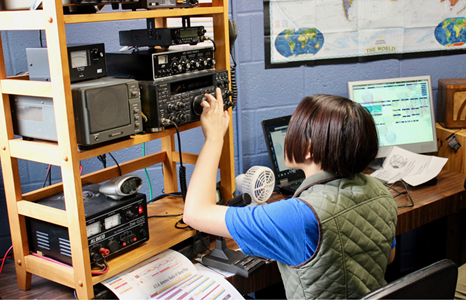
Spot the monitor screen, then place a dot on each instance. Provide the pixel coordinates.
(274, 133)
(403, 112)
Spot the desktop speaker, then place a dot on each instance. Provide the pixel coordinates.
(451, 102)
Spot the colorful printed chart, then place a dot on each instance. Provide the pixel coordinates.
(170, 275)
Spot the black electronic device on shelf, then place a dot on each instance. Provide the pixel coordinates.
(163, 37)
(233, 261)
(178, 98)
(151, 64)
(113, 227)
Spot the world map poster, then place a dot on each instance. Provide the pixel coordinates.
(303, 31)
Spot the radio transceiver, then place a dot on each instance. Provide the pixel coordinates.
(112, 226)
(163, 37)
(135, 64)
(178, 98)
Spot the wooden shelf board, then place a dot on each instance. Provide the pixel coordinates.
(134, 140)
(53, 271)
(101, 175)
(142, 14)
(44, 152)
(43, 213)
(26, 87)
(22, 20)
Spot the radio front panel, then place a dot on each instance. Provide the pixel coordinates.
(177, 99)
(135, 64)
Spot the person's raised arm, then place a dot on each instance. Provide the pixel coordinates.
(200, 210)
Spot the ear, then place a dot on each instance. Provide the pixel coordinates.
(308, 151)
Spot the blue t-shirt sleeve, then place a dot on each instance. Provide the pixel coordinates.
(286, 231)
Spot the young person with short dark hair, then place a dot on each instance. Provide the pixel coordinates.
(335, 236)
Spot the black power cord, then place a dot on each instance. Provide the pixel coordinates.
(182, 170)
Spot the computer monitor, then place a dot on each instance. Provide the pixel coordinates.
(403, 111)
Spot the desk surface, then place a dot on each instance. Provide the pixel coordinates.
(445, 198)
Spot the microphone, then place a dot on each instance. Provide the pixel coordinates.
(240, 200)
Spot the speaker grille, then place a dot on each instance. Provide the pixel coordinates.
(108, 108)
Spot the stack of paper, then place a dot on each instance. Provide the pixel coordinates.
(414, 169)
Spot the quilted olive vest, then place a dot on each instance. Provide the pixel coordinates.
(357, 221)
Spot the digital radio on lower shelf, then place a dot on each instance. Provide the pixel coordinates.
(113, 227)
(178, 98)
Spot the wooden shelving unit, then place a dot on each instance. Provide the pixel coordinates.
(65, 152)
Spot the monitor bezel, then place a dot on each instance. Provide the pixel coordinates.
(419, 148)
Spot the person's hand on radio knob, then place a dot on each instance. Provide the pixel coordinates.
(214, 119)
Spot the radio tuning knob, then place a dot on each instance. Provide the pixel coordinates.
(171, 107)
(181, 118)
(129, 215)
(179, 105)
(211, 62)
(195, 64)
(197, 108)
(176, 67)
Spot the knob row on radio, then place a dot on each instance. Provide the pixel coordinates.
(179, 118)
(192, 65)
(176, 106)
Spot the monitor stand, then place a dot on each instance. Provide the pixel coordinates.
(377, 164)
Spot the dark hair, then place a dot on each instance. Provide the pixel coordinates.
(341, 133)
